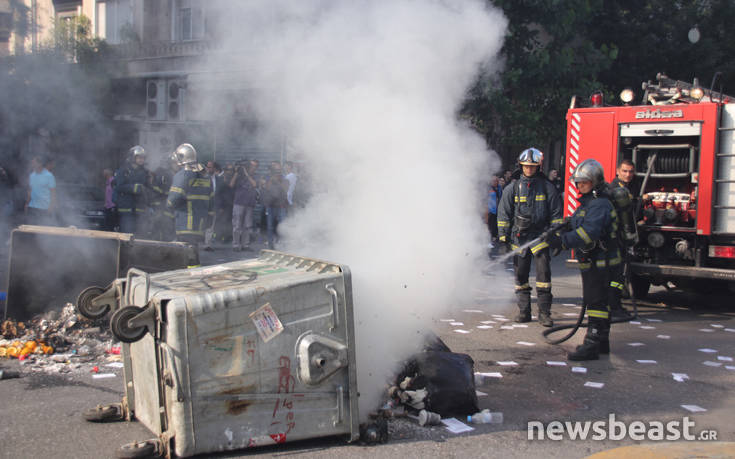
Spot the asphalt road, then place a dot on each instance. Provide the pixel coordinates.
(40, 415)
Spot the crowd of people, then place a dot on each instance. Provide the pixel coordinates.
(210, 205)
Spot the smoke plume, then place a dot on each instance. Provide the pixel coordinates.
(368, 93)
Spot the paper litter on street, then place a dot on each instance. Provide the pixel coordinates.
(716, 325)
(579, 370)
(694, 408)
(663, 336)
(498, 316)
(596, 385)
(708, 351)
(647, 327)
(636, 344)
(502, 319)
(525, 343)
(488, 322)
(568, 304)
(706, 330)
(480, 393)
(459, 330)
(654, 320)
(484, 327)
(730, 367)
(456, 324)
(115, 365)
(103, 375)
(731, 330)
(455, 426)
(647, 361)
(724, 358)
(491, 374)
(634, 322)
(473, 310)
(508, 363)
(446, 320)
(519, 326)
(554, 363)
(571, 314)
(712, 364)
(506, 327)
(681, 377)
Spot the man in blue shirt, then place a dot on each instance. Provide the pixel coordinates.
(41, 199)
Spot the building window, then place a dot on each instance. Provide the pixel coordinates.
(188, 18)
(114, 20)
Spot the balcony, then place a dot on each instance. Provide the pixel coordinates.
(163, 49)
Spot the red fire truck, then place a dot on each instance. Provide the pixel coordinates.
(682, 140)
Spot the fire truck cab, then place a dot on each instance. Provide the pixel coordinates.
(681, 139)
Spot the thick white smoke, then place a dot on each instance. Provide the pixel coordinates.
(369, 92)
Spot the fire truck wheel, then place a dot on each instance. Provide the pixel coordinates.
(639, 286)
(121, 329)
(138, 449)
(85, 306)
(104, 413)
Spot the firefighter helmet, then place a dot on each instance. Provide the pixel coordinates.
(589, 170)
(137, 151)
(185, 154)
(531, 157)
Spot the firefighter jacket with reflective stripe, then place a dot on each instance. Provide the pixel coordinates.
(594, 232)
(130, 189)
(191, 198)
(529, 205)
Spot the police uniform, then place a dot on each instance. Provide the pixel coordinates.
(130, 197)
(593, 236)
(528, 206)
(190, 197)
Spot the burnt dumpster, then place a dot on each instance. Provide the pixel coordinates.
(49, 266)
(243, 354)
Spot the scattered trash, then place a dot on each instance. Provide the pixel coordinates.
(724, 359)
(456, 324)
(708, 351)
(429, 418)
(706, 330)
(694, 408)
(680, 377)
(484, 327)
(647, 327)
(480, 377)
(634, 322)
(654, 320)
(663, 336)
(730, 367)
(552, 363)
(596, 385)
(636, 344)
(455, 426)
(479, 392)
(509, 363)
(579, 370)
(525, 343)
(374, 432)
(716, 325)
(731, 330)
(485, 417)
(712, 364)
(647, 361)
(104, 375)
(459, 330)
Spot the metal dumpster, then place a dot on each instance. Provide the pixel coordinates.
(49, 266)
(243, 354)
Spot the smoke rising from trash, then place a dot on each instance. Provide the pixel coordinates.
(367, 93)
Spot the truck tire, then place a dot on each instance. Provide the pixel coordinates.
(639, 286)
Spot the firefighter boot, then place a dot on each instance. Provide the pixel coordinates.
(544, 315)
(544, 307)
(524, 304)
(605, 338)
(590, 348)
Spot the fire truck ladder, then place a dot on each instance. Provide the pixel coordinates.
(723, 208)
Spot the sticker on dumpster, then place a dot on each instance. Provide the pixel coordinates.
(266, 321)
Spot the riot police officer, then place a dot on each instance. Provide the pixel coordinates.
(130, 192)
(529, 205)
(592, 234)
(190, 196)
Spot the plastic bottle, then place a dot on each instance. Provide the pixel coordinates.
(485, 417)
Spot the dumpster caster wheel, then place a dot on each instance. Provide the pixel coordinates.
(138, 449)
(104, 413)
(120, 327)
(85, 306)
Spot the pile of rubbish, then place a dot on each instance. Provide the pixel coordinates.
(58, 342)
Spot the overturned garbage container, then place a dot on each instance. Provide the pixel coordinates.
(243, 354)
(49, 266)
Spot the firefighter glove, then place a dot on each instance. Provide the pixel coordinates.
(553, 238)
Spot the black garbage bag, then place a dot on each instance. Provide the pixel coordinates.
(449, 379)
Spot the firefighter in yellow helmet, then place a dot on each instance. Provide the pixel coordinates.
(190, 196)
(528, 207)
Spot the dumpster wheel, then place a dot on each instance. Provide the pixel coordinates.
(105, 413)
(120, 327)
(85, 306)
(148, 448)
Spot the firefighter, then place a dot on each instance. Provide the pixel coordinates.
(627, 180)
(592, 233)
(529, 205)
(190, 197)
(131, 189)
